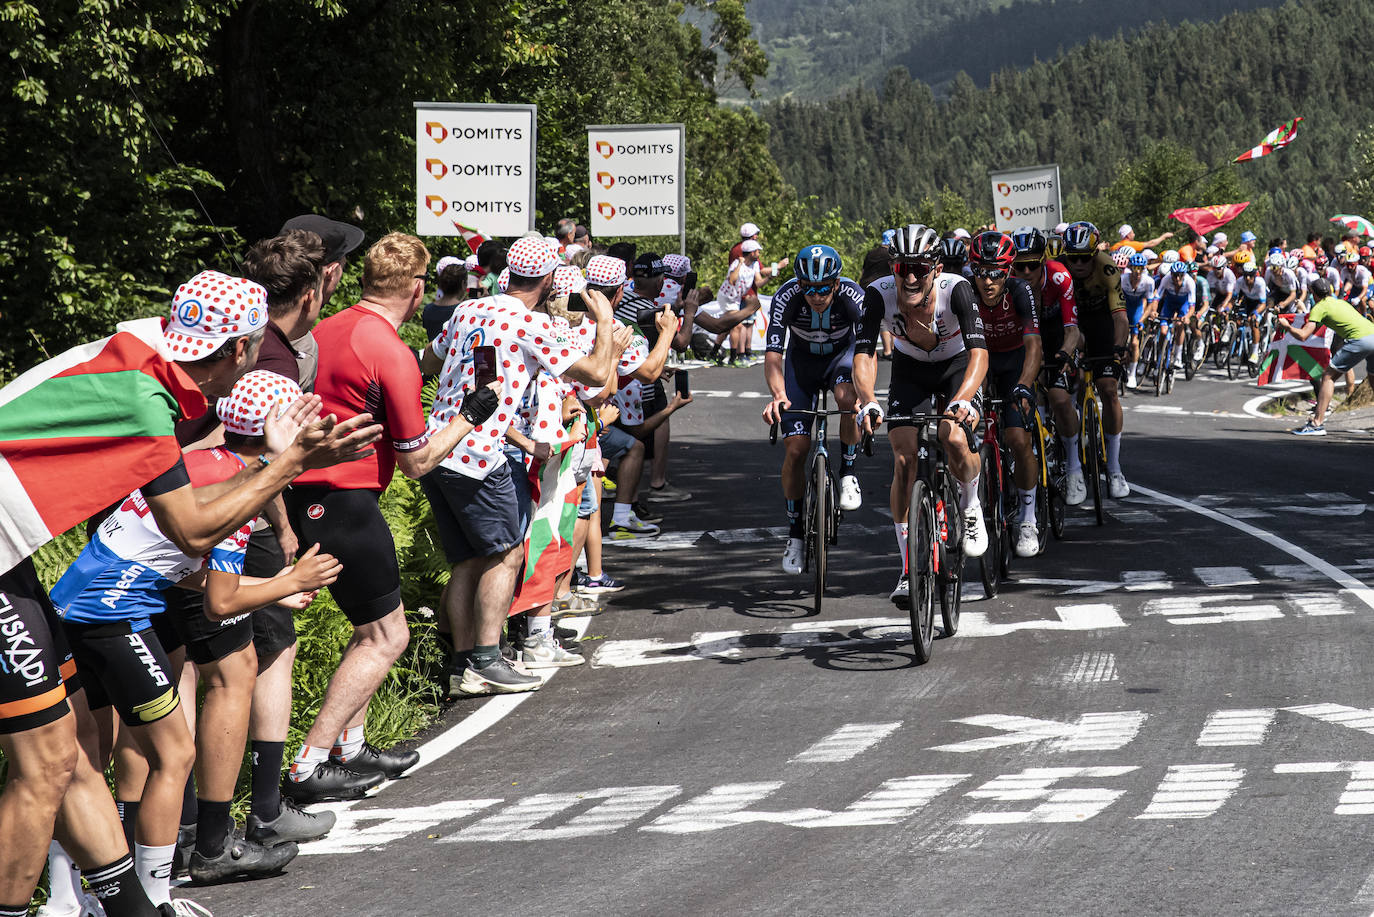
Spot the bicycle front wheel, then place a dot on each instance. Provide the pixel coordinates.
(951, 574)
(921, 542)
(990, 485)
(819, 523)
(1042, 506)
(1057, 470)
(1091, 444)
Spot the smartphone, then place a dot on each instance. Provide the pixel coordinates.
(484, 365)
(576, 303)
(680, 380)
(690, 281)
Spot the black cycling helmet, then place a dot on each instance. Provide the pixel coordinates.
(953, 253)
(1030, 244)
(915, 242)
(1081, 238)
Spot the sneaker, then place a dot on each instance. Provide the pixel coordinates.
(1027, 539)
(1310, 429)
(633, 527)
(241, 857)
(851, 498)
(329, 781)
(181, 857)
(901, 595)
(608, 485)
(183, 907)
(975, 535)
(387, 762)
(567, 638)
(599, 585)
(579, 579)
(667, 494)
(792, 557)
(88, 906)
(1075, 490)
(542, 651)
(575, 604)
(292, 825)
(1131, 381)
(1117, 486)
(645, 514)
(1253, 358)
(498, 677)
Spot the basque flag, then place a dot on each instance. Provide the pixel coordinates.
(1278, 138)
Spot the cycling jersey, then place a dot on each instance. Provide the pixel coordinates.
(1137, 291)
(1254, 290)
(120, 574)
(1282, 282)
(1223, 284)
(1175, 301)
(1358, 276)
(795, 328)
(1056, 299)
(954, 320)
(1011, 318)
(1100, 292)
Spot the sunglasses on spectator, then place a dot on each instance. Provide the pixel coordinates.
(820, 290)
(1077, 259)
(989, 273)
(917, 269)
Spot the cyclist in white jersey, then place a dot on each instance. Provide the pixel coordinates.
(1282, 282)
(939, 355)
(1355, 279)
(1137, 287)
(1252, 298)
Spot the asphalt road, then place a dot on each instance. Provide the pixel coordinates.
(1171, 714)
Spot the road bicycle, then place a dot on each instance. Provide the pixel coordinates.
(996, 490)
(821, 507)
(1092, 438)
(1052, 494)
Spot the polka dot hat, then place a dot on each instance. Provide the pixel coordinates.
(208, 310)
(677, 265)
(245, 410)
(503, 279)
(605, 271)
(568, 279)
(531, 257)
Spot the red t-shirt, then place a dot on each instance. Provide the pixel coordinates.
(366, 368)
(1057, 293)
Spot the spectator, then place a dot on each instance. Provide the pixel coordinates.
(1128, 240)
(747, 274)
(363, 363)
(491, 258)
(452, 283)
(746, 232)
(565, 233)
(1354, 329)
(339, 239)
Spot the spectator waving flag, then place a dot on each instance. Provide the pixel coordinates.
(1206, 219)
(472, 237)
(1278, 138)
(1290, 358)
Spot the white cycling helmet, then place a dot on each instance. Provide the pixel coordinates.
(1218, 261)
(1170, 256)
(1276, 260)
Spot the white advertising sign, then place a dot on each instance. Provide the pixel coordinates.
(474, 165)
(1027, 197)
(635, 180)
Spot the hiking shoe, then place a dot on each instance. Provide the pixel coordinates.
(667, 494)
(498, 677)
(329, 781)
(292, 825)
(632, 527)
(901, 596)
(1310, 429)
(792, 557)
(851, 497)
(372, 760)
(599, 585)
(241, 857)
(542, 651)
(574, 603)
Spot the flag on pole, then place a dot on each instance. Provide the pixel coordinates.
(1206, 219)
(1290, 358)
(472, 237)
(1278, 138)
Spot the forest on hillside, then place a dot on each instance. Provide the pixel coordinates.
(1213, 89)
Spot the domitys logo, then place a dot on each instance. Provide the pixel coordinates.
(605, 179)
(436, 131)
(1005, 212)
(604, 148)
(436, 168)
(606, 210)
(1003, 188)
(436, 204)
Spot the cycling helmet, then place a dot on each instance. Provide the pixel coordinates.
(1178, 267)
(1030, 244)
(1276, 259)
(1364, 251)
(954, 251)
(816, 264)
(1121, 257)
(914, 242)
(1351, 256)
(1248, 267)
(1139, 261)
(1218, 262)
(1081, 238)
(1292, 261)
(1275, 251)
(1170, 257)
(992, 247)
(1054, 247)
(1192, 266)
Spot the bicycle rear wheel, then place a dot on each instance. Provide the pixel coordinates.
(921, 538)
(990, 485)
(1161, 361)
(951, 573)
(1042, 504)
(1091, 445)
(1191, 361)
(819, 523)
(1057, 468)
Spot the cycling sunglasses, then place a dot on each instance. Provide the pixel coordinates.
(820, 290)
(1026, 266)
(989, 273)
(918, 269)
(1076, 259)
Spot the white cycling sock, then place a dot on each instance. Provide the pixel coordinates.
(1130, 368)
(900, 529)
(1113, 453)
(64, 881)
(1027, 506)
(348, 744)
(968, 494)
(154, 868)
(309, 758)
(1071, 450)
(621, 514)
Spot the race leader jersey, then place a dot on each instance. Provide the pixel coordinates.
(1011, 318)
(366, 368)
(1057, 302)
(1100, 293)
(122, 571)
(794, 327)
(1137, 291)
(954, 320)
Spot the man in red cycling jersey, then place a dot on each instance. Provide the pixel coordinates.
(1007, 306)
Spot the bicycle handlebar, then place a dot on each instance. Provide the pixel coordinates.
(919, 419)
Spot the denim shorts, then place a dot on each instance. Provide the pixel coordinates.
(615, 442)
(591, 498)
(1351, 353)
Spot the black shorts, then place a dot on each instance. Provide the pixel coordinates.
(475, 517)
(206, 641)
(123, 668)
(1004, 369)
(1099, 344)
(918, 387)
(655, 400)
(274, 626)
(805, 376)
(349, 525)
(36, 666)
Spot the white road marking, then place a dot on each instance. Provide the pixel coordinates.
(1071, 617)
(1069, 804)
(713, 809)
(1318, 604)
(359, 830)
(1236, 727)
(1206, 609)
(1091, 668)
(1225, 576)
(849, 741)
(1339, 715)
(1358, 796)
(616, 808)
(1297, 573)
(1193, 791)
(1090, 732)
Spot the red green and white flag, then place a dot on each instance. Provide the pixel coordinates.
(549, 539)
(472, 237)
(1277, 139)
(1290, 358)
(83, 431)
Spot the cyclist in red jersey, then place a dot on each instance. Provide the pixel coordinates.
(366, 368)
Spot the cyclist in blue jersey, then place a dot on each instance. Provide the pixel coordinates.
(810, 347)
(1137, 288)
(1174, 299)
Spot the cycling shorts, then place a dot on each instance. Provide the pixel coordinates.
(806, 377)
(1004, 369)
(917, 387)
(274, 626)
(1135, 309)
(1246, 307)
(124, 668)
(349, 525)
(1170, 309)
(185, 624)
(36, 667)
